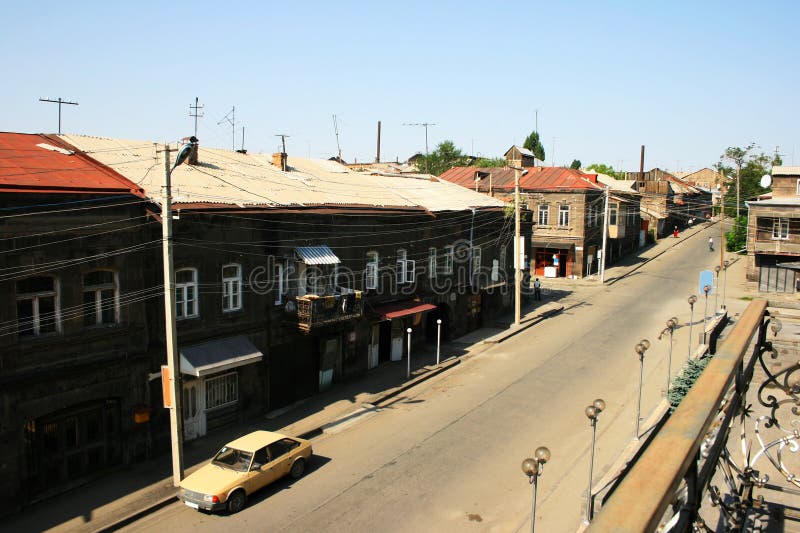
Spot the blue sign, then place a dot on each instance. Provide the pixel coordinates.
(706, 278)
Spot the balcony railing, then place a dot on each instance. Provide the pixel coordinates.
(314, 311)
(664, 488)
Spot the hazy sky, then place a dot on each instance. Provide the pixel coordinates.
(686, 79)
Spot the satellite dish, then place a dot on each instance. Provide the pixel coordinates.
(766, 180)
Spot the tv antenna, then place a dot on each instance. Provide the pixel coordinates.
(194, 111)
(59, 102)
(230, 118)
(424, 125)
(336, 130)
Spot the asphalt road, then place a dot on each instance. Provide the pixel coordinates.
(446, 455)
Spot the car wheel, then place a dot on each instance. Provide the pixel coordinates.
(298, 468)
(236, 502)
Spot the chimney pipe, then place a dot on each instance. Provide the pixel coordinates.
(279, 160)
(193, 158)
(378, 157)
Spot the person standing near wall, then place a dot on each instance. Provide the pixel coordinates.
(537, 289)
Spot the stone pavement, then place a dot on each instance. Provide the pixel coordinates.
(120, 497)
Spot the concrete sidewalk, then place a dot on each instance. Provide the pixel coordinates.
(122, 496)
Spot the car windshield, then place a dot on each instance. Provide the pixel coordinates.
(232, 458)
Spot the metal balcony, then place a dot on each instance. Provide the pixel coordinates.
(315, 311)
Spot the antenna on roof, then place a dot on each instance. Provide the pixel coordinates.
(230, 118)
(196, 108)
(336, 130)
(59, 102)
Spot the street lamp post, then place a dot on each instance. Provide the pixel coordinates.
(438, 338)
(692, 300)
(725, 265)
(592, 412)
(641, 347)
(671, 324)
(171, 334)
(408, 363)
(533, 468)
(706, 290)
(716, 291)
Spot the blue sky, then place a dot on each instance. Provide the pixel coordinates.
(686, 79)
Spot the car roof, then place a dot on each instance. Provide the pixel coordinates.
(255, 440)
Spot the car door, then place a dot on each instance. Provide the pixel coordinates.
(281, 456)
(261, 473)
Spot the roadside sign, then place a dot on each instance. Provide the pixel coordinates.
(706, 278)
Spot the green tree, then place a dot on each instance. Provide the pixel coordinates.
(608, 170)
(736, 238)
(485, 162)
(443, 158)
(576, 164)
(750, 167)
(534, 144)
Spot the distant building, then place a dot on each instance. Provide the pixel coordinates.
(773, 234)
(522, 157)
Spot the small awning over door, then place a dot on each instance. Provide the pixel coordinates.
(316, 255)
(552, 245)
(218, 355)
(401, 309)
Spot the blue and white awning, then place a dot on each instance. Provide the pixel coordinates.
(316, 255)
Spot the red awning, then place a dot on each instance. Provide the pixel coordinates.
(400, 309)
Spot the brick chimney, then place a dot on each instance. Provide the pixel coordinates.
(591, 177)
(279, 160)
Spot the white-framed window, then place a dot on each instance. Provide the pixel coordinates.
(100, 298)
(405, 268)
(495, 270)
(589, 216)
(432, 263)
(563, 215)
(476, 259)
(544, 214)
(612, 213)
(447, 260)
(371, 272)
(502, 259)
(38, 310)
(281, 283)
(231, 287)
(798, 187)
(222, 390)
(780, 228)
(186, 293)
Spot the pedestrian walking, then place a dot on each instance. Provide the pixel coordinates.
(710, 244)
(537, 289)
(675, 232)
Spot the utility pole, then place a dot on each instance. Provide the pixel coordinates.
(173, 356)
(738, 180)
(378, 156)
(59, 102)
(519, 249)
(605, 235)
(722, 225)
(194, 111)
(230, 118)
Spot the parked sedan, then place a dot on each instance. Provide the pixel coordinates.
(242, 467)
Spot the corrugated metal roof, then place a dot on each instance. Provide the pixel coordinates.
(41, 164)
(537, 179)
(233, 179)
(317, 255)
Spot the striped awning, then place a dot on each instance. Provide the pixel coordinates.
(317, 255)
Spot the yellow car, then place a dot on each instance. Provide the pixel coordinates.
(242, 467)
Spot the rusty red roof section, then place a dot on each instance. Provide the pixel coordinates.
(38, 163)
(537, 179)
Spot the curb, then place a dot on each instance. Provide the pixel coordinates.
(133, 517)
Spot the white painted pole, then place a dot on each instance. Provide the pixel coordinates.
(438, 338)
(408, 363)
